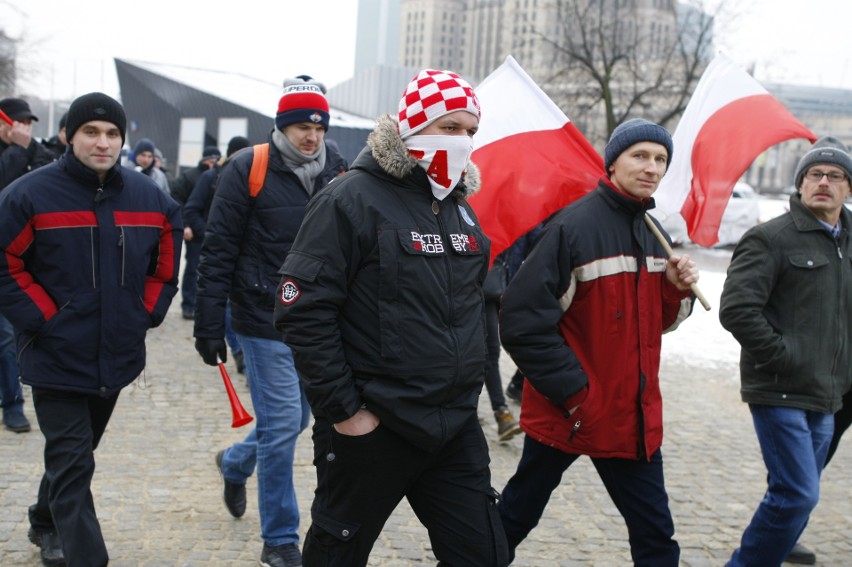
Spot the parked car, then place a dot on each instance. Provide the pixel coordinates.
(742, 213)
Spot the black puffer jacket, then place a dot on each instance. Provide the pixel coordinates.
(381, 297)
(246, 242)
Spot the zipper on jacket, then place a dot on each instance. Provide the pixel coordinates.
(121, 245)
(574, 430)
(92, 242)
(35, 335)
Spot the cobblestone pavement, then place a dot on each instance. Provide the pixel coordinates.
(158, 493)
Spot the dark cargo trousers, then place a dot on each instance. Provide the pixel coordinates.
(361, 480)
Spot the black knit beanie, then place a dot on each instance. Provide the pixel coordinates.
(828, 150)
(95, 106)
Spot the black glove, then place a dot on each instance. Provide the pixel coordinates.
(209, 349)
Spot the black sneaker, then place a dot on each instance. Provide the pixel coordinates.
(51, 547)
(801, 555)
(234, 494)
(188, 314)
(287, 555)
(16, 421)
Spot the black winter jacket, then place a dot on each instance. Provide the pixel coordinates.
(381, 297)
(787, 300)
(246, 241)
(16, 161)
(86, 270)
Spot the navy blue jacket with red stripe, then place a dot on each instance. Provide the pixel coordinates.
(86, 269)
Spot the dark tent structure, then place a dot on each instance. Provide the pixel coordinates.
(161, 100)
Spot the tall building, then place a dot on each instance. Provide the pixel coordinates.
(377, 40)
(433, 33)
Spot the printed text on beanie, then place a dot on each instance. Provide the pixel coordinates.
(431, 95)
(302, 103)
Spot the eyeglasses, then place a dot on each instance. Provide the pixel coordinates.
(817, 175)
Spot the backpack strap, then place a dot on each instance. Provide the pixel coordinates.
(257, 175)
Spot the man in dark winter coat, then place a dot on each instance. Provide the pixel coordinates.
(19, 154)
(89, 263)
(583, 319)
(181, 190)
(195, 214)
(787, 300)
(381, 302)
(257, 209)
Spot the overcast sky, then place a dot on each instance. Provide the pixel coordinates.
(69, 45)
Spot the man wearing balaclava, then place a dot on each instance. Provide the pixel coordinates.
(258, 206)
(381, 302)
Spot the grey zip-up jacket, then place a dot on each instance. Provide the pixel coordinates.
(787, 301)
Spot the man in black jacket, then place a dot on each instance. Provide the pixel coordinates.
(19, 154)
(786, 300)
(254, 218)
(381, 302)
(181, 190)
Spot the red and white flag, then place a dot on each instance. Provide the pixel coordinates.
(532, 159)
(728, 122)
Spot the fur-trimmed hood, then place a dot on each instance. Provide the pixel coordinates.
(392, 156)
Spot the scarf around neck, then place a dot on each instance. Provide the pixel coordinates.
(306, 168)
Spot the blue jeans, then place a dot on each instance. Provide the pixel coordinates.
(794, 444)
(11, 395)
(281, 413)
(189, 285)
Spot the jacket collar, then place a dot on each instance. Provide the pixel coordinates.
(805, 219)
(392, 157)
(620, 200)
(87, 176)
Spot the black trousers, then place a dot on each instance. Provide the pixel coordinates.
(361, 480)
(72, 425)
(637, 489)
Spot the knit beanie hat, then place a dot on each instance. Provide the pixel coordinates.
(632, 132)
(236, 144)
(431, 95)
(63, 120)
(302, 101)
(143, 145)
(210, 152)
(829, 150)
(95, 106)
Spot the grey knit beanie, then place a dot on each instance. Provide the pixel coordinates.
(632, 132)
(828, 150)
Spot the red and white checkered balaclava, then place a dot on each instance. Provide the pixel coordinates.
(431, 95)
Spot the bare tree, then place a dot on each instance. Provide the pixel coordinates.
(8, 68)
(615, 59)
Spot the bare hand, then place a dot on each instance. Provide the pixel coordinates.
(187, 233)
(364, 421)
(21, 134)
(681, 271)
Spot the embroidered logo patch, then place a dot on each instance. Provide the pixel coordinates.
(289, 292)
(427, 243)
(315, 117)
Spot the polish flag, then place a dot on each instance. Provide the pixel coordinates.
(728, 122)
(532, 159)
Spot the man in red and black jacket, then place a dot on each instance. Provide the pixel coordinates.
(583, 319)
(89, 263)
